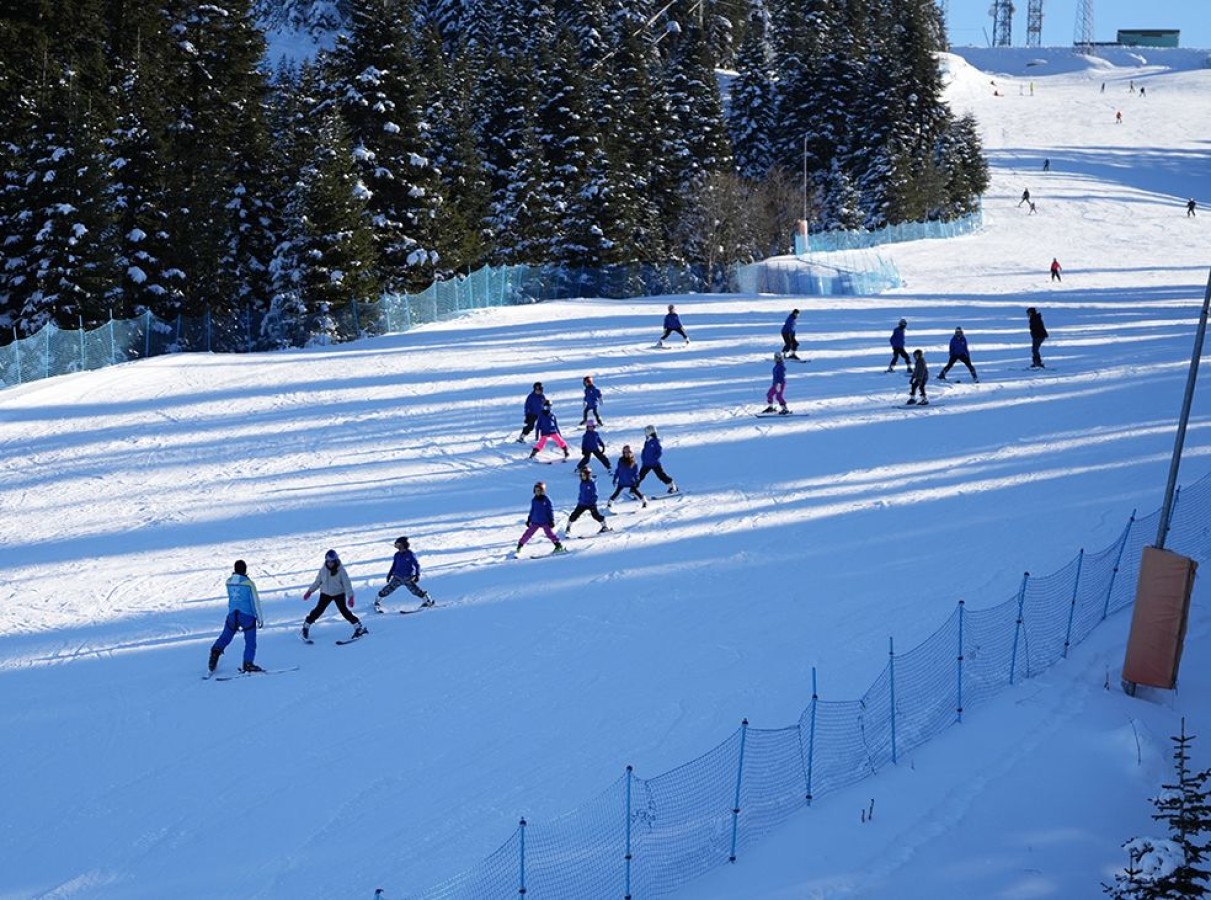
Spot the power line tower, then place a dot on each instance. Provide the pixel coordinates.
(1002, 23)
(1082, 38)
(1034, 23)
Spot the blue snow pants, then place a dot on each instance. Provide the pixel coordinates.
(237, 621)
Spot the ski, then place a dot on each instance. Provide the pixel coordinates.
(515, 555)
(774, 415)
(423, 607)
(929, 405)
(350, 640)
(234, 675)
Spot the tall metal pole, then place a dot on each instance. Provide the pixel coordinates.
(1191, 378)
(805, 178)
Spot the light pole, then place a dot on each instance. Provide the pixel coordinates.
(805, 179)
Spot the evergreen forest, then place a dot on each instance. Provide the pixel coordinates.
(155, 158)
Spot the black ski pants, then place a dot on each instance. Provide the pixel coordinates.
(341, 605)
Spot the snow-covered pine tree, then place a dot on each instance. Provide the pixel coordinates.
(750, 108)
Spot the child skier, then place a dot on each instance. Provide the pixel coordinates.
(650, 457)
(897, 347)
(959, 353)
(777, 389)
(920, 375)
(542, 515)
(335, 587)
(592, 445)
(672, 323)
(592, 399)
(626, 477)
(586, 502)
(405, 570)
(548, 429)
(1055, 269)
(790, 343)
(243, 614)
(533, 410)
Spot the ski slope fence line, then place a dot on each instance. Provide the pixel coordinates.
(56, 351)
(832, 241)
(648, 837)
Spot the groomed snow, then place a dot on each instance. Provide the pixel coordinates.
(125, 495)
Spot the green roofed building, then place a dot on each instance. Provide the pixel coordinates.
(1149, 37)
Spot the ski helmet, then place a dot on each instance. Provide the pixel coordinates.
(904, 323)
(240, 567)
(332, 558)
(590, 425)
(538, 385)
(649, 430)
(540, 486)
(671, 307)
(778, 355)
(401, 543)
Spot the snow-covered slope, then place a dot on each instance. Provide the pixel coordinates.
(396, 762)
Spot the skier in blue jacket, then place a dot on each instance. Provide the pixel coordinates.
(592, 445)
(542, 515)
(626, 477)
(548, 430)
(405, 570)
(672, 323)
(533, 409)
(789, 342)
(959, 353)
(592, 399)
(243, 614)
(586, 502)
(897, 347)
(650, 456)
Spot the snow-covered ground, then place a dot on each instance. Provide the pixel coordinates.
(803, 543)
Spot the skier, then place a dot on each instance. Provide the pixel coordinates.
(789, 343)
(586, 502)
(1046, 165)
(592, 398)
(1025, 197)
(1118, 118)
(1190, 205)
(777, 388)
(542, 515)
(650, 457)
(243, 614)
(920, 375)
(1038, 334)
(1032, 209)
(592, 445)
(1055, 269)
(405, 570)
(897, 347)
(672, 322)
(958, 353)
(548, 429)
(533, 410)
(626, 477)
(335, 587)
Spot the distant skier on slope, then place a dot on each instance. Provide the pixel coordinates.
(243, 614)
(592, 399)
(1190, 205)
(586, 502)
(778, 388)
(897, 347)
(533, 410)
(790, 344)
(626, 477)
(1055, 269)
(1038, 334)
(335, 587)
(592, 445)
(959, 353)
(548, 429)
(920, 375)
(1025, 197)
(650, 457)
(542, 515)
(405, 570)
(672, 323)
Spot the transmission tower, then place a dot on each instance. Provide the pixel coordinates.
(1002, 23)
(1082, 38)
(1034, 24)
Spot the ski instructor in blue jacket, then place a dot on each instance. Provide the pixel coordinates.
(243, 614)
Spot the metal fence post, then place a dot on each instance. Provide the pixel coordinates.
(17, 353)
(959, 666)
(147, 334)
(891, 665)
(811, 738)
(111, 339)
(521, 886)
(46, 349)
(628, 853)
(1118, 559)
(81, 320)
(1080, 560)
(736, 805)
(1017, 629)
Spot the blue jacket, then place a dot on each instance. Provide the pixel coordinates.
(547, 423)
(672, 322)
(897, 338)
(242, 597)
(789, 324)
(958, 345)
(534, 403)
(779, 372)
(651, 451)
(591, 442)
(404, 566)
(626, 474)
(592, 396)
(588, 492)
(541, 512)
